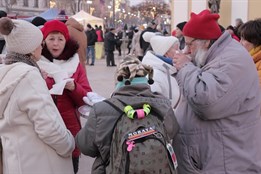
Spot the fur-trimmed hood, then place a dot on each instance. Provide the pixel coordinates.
(70, 49)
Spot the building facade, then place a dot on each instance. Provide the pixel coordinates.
(229, 10)
(35, 7)
(24, 7)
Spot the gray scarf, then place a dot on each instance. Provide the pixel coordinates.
(16, 57)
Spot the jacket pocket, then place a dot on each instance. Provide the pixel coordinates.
(194, 158)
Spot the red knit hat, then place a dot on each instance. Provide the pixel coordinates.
(203, 26)
(55, 25)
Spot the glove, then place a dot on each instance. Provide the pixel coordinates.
(92, 98)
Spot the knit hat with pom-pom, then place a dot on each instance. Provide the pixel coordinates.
(21, 36)
(132, 67)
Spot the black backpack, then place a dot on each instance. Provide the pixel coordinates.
(140, 145)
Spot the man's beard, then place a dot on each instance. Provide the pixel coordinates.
(200, 57)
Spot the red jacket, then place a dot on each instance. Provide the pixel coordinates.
(69, 101)
(99, 35)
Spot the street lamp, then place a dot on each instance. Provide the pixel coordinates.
(113, 12)
(52, 4)
(88, 5)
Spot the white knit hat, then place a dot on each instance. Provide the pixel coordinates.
(148, 35)
(21, 36)
(160, 44)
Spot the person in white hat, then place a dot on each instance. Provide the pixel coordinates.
(33, 135)
(164, 81)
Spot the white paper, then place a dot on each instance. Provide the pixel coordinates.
(58, 88)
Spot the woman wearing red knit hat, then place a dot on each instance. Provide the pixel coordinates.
(66, 78)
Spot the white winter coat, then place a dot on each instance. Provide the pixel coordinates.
(34, 137)
(164, 81)
(135, 47)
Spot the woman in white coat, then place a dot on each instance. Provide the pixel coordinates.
(164, 81)
(33, 135)
(135, 44)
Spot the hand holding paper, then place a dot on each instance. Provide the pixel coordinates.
(58, 88)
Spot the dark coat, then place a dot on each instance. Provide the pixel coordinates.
(91, 37)
(143, 44)
(95, 138)
(110, 41)
(2, 45)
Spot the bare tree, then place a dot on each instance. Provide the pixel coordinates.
(214, 5)
(9, 4)
(66, 4)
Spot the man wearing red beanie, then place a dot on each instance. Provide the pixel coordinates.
(219, 110)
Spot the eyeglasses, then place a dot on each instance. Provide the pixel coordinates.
(190, 43)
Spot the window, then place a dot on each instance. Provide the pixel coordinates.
(25, 3)
(36, 3)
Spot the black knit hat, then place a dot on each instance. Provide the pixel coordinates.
(89, 26)
(230, 27)
(38, 21)
(181, 25)
(2, 14)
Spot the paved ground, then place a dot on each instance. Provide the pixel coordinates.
(102, 82)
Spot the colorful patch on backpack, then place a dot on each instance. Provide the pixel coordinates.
(140, 133)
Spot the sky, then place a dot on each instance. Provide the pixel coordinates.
(135, 2)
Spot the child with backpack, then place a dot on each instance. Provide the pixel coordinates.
(131, 132)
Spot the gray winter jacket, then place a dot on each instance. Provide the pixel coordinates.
(219, 113)
(95, 138)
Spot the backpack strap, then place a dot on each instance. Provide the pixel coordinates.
(116, 104)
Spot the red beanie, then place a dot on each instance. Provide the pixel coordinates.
(55, 25)
(203, 26)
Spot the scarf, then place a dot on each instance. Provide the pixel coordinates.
(16, 57)
(256, 53)
(165, 59)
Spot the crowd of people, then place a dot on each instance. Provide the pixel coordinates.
(204, 81)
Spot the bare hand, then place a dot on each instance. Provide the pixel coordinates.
(44, 74)
(70, 85)
(180, 60)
